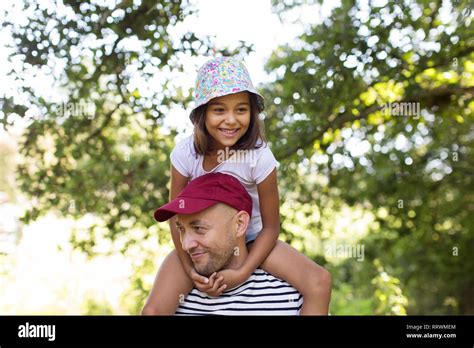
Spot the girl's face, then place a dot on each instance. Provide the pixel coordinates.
(228, 118)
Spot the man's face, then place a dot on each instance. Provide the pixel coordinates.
(208, 237)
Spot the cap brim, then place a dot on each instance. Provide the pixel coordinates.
(182, 205)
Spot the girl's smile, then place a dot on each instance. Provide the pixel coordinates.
(227, 132)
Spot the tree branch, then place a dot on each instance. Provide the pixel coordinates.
(108, 118)
(427, 97)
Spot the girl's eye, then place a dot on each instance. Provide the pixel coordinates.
(219, 110)
(242, 110)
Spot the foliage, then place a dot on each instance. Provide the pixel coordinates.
(94, 307)
(334, 115)
(97, 145)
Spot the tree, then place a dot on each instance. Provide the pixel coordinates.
(97, 144)
(379, 100)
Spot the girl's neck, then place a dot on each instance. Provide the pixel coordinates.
(216, 147)
(212, 153)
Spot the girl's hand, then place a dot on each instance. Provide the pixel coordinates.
(211, 286)
(232, 277)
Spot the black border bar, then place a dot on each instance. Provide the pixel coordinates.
(195, 331)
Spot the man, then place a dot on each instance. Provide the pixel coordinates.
(213, 212)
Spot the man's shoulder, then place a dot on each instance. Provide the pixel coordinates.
(269, 281)
(261, 294)
(261, 276)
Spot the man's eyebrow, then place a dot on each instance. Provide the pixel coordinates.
(198, 222)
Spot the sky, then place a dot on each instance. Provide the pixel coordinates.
(251, 21)
(248, 20)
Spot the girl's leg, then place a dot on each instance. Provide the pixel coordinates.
(310, 279)
(171, 285)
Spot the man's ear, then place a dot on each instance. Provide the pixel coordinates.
(242, 220)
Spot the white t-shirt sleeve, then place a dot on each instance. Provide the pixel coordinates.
(264, 165)
(181, 158)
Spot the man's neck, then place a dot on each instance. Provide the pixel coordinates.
(240, 255)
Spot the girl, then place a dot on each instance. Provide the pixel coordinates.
(227, 138)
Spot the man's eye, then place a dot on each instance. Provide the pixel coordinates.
(199, 229)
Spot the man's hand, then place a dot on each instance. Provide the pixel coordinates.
(232, 277)
(211, 286)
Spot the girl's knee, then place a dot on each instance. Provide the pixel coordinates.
(319, 280)
(149, 310)
(172, 264)
(172, 257)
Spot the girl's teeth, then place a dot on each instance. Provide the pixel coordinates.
(229, 131)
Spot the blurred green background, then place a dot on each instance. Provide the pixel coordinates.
(369, 112)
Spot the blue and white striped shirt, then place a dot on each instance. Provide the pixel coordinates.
(261, 294)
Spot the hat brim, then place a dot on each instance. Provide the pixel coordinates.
(182, 205)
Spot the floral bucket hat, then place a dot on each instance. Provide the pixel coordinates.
(221, 76)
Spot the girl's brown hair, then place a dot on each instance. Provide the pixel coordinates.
(250, 140)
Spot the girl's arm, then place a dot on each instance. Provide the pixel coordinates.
(270, 213)
(178, 182)
(266, 240)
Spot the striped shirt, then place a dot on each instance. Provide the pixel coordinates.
(261, 294)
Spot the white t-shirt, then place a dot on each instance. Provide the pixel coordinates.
(250, 167)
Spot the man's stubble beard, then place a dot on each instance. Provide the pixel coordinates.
(218, 259)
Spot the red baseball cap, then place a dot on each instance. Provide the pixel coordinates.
(205, 191)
